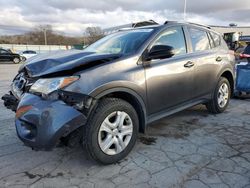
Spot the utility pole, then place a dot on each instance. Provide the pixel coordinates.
(185, 9)
(45, 36)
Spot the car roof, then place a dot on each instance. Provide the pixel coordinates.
(29, 51)
(169, 23)
(173, 23)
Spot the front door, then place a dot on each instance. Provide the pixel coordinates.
(4, 55)
(169, 81)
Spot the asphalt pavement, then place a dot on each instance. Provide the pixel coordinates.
(191, 149)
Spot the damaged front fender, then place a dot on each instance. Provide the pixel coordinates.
(81, 102)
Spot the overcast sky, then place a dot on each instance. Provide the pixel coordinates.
(73, 16)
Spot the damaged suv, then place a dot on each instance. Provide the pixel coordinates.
(107, 93)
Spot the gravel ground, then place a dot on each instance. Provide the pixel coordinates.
(191, 149)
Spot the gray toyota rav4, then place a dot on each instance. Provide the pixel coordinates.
(107, 93)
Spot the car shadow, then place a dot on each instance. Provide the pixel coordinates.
(177, 126)
(9, 63)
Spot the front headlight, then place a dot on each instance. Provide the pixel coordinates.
(48, 85)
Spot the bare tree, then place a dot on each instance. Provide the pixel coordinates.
(92, 34)
(42, 34)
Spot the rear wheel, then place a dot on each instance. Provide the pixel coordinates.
(16, 60)
(23, 58)
(220, 98)
(111, 131)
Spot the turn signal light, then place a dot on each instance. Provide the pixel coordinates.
(22, 110)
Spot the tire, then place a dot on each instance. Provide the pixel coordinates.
(23, 59)
(214, 106)
(16, 60)
(95, 135)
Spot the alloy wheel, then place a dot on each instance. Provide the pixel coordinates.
(16, 60)
(115, 132)
(223, 95)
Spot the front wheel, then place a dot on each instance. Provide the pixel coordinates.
(111, 131)
(16, 60)
(220, 98)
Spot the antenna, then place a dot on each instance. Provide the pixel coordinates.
(185, 9)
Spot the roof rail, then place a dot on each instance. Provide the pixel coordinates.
(167, 22)
(124, 29)
(202, 25)
(144, 23)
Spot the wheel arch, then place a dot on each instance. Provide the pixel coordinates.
(131, 97)
(229, 76)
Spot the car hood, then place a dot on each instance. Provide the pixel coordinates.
(64, 62)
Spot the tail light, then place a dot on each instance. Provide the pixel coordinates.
(244, 56)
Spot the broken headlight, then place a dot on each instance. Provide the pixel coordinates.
(48, 85)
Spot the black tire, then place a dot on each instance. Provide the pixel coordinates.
(213, 105)
(23, 59)
(90, 140)
(16, 60)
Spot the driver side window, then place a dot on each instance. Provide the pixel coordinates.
(3, 51)
(173, 37)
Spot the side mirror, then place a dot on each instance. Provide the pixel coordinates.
(160, 52)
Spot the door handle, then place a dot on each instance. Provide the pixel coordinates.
(218, 59)
(189, 64)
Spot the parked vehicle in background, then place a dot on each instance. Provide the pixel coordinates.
(108, 92)
(8, 55)
(28, 54)
(240, 53)
(243, 74)
(245, 55)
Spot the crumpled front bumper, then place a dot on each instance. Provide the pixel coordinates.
(41, 123)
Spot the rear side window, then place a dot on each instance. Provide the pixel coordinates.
(199, 39)
(216, 38)
(3, 51)
(29, 52)
(173, 37)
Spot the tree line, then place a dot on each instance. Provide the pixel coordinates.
(46, 35)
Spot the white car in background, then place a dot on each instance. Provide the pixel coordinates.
(28, 54)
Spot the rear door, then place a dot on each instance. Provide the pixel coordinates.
(169, 81)
(206, 65)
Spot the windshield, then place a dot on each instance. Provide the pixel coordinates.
(125, 42)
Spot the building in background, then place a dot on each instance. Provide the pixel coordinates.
(243, 30)
(233, 34)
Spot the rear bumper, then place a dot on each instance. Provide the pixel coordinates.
(41, 123)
